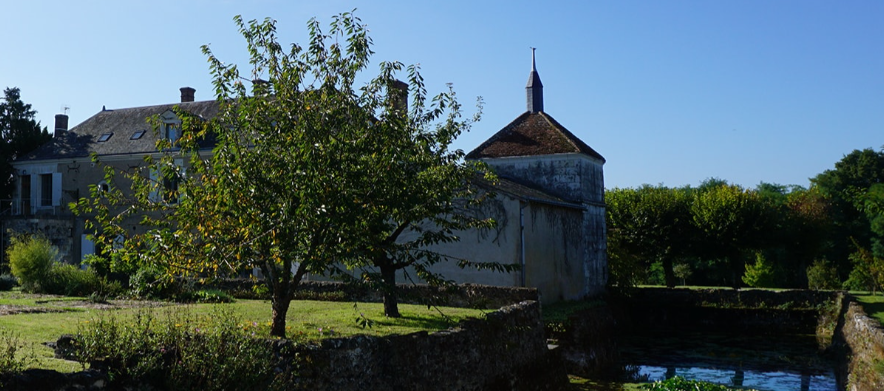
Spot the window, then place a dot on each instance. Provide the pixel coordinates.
(170, 190)
(137, 135)
(103, 187)
(173, 132)
(105, 137)
(46, 190)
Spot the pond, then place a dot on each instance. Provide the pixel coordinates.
(767, 363)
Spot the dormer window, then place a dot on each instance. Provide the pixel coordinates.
(105, 137)
(171, 126)
(172, 132)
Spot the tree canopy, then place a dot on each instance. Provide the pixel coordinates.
(309, 173)
(20, 133)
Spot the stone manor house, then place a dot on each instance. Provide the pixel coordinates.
(549, 207)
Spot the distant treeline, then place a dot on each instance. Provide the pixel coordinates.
(828, 236)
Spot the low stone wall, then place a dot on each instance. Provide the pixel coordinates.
(505, 351)
(755, 311)
(860, 341)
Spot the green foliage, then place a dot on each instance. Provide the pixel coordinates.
(31, 258)
(822, 275)
(867, 273)
(682, 271)
(7, 282)
(70, 280)
(846, 185)
(681, 384)
(20, 133)
(308, 171)
(13, 356)
(646, 225)
(732, 220)
(180, 351)
(204, 296)
(761, 273)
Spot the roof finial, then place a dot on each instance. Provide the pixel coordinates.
(534, 88)
(533, 63)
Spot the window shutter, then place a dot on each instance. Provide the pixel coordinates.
(56, 189)
(35, 192)
(154, 185)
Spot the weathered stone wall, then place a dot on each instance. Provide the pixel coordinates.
(860, 341)
(59, 231)
(505, 351)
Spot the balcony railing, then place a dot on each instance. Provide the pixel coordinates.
(24, 208)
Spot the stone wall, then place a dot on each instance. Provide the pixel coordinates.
(860, 341)
(505, 351)
(59, 231)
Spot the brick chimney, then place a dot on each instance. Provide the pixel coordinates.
(187, 94)
(61, 124)
(399, 95)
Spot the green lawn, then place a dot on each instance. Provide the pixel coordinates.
(872, 305)
(307, 320)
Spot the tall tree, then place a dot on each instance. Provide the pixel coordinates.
(20, 133)
(650, 223)
(845, 185)
(308, 171)
(733, 221)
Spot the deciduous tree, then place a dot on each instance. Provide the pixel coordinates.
(309, 172)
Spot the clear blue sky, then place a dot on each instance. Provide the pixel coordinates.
(670, 92)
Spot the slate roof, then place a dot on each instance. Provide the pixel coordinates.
(82, 140)
(532, 134)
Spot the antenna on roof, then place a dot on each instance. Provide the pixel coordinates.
(65, 108)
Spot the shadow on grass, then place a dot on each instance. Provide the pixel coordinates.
(416, 321)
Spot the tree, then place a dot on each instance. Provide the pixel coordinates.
(760, 274)
(303, 175)
(733, 221)
(650, 223)
(20, 134)
(845, 185)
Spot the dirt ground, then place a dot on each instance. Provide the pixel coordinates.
(53, 303)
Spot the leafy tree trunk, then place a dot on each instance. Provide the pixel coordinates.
(391, 299)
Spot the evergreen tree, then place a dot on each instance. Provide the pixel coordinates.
(20, 134)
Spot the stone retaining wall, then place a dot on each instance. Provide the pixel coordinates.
(860, 340)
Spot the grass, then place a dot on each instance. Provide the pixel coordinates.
(872, 305)
(306, 320)
(580, 384)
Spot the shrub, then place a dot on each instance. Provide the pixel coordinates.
(69, 280)
(30, 259)
(822, 275)
(180, 352)
(150, 282)
(761, 274)
(7, 282)
(204, 296)
(681, 384)
(13, 359)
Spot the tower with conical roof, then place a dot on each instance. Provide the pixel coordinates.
(535, 150)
